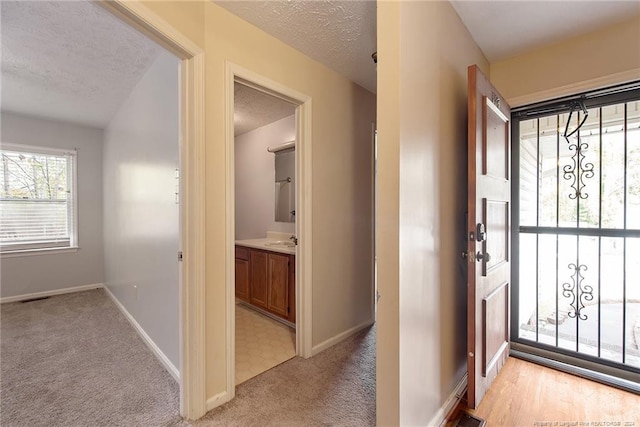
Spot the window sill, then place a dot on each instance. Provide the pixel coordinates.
(40, 251)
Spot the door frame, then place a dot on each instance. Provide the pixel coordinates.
(192, 198)
(374, 207)
(304, 289)
(573, 88)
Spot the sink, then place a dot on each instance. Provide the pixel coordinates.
(284, 243)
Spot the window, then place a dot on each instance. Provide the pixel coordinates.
(37, 198)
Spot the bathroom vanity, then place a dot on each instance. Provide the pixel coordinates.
(265, 276)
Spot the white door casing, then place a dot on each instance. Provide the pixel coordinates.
(236, 73)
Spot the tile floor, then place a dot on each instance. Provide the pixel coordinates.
(261, 343)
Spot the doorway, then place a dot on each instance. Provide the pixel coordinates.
(576, 230)
(265, 231)
(297, 263)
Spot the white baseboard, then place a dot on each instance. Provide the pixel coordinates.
(440, 419)
(51, 293)
(336, 339)
(217, 400)
(164, 360)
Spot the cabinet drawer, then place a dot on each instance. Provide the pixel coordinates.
(242, 253)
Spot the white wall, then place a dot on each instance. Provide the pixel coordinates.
(422, 177)
(140, 212)
(39, 273)
(255, 177)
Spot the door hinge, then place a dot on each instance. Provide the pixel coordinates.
(180, 256)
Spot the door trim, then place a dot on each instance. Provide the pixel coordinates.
(612, 376)
(192, 201)
(235, 73)
(573, 88)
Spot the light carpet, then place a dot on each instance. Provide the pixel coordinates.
(335, 388)
(74, 360)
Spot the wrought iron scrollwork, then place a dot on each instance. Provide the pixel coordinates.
(578, 292)
(578, 170)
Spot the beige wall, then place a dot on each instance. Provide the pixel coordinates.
(424, 50)
(342, 172)
(186, 16)
(604, 57)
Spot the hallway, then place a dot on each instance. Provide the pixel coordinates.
(335, 387)
(74, 360)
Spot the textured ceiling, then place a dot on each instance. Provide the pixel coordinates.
(74, 61)
(505, 28)
(339, 34)
(342, 34)
(69, 60)
(253, 109)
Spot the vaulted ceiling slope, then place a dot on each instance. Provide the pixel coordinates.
(69, 60)
(339, 34)
(505, 28)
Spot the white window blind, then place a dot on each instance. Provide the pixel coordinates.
(37, 198)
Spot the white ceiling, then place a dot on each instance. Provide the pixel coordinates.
(505, 28)
(253, 109)
(69, 60)
(339, 34)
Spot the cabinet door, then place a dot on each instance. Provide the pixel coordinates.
(278, 297)
(258, 278)
(292, 288)
(242, 279)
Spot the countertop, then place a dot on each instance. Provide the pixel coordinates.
(262, 244)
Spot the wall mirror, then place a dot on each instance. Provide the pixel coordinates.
(285, 168)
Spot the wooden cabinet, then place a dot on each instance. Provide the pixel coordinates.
(266, 280)
(278, 284)
(258, 279)
(242, 273)
(292, 289)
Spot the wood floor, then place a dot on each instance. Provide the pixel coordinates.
(526, 394)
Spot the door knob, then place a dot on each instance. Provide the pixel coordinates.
(480, 256)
